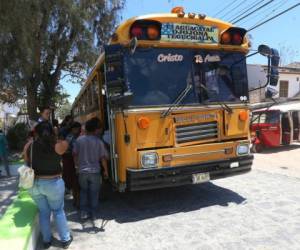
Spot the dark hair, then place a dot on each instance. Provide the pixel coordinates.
(45, 135)
(75, 125)
(1, 130)
(41, 109)
(92, 124)
(55, 122)
(66, 120)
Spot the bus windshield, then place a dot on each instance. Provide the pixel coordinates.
(156, 76)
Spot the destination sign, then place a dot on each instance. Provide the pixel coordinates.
(179, 32)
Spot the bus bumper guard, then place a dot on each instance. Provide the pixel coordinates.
(142, 179)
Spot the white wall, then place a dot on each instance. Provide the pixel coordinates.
(294, 85)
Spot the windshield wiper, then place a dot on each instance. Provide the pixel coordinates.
(180, 97)
(222, 104)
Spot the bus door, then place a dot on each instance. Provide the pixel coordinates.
(296, 125)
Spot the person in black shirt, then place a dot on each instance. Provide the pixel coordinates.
(44, 155)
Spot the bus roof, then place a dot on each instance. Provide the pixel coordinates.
(122, 34)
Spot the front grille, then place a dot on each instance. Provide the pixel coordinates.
(196, 132)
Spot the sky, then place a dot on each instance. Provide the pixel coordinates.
(281, 33)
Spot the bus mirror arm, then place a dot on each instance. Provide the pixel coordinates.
(132, 45)
(244, 58)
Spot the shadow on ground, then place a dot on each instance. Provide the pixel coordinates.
(136, 206)
(282, 148)
(8, 188)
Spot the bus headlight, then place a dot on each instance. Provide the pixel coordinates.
(242, 149)
(149, 160)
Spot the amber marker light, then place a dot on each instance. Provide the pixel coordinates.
(143, 122)
(177, 9)
(243, 115)
(191, 15)
(201, 16)
(228, 151)
(167, 158)
(152, 32)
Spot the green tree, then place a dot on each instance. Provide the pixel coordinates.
(42, 40)
(64, 110)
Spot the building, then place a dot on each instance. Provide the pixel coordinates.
(288, 84)
(8, 114)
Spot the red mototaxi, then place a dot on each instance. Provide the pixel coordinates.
(275, 126)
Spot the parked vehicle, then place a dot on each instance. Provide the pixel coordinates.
(275, 126)
(171, 91)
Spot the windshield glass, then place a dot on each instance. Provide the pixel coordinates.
(265, 117)
(157, 76)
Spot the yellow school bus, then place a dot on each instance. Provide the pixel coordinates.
(171, 92)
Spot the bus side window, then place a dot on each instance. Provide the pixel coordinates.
(89, 97)
(95, 93)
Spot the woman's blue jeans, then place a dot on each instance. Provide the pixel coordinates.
(48, 194)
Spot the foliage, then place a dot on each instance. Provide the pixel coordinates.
(16, 136)
(40, 40)
(64, 110)
(287, 54)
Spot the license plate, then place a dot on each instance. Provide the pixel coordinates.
(200, 178)
(234, 165)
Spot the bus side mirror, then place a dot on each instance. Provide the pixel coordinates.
(274, 74)
(273, 63)
(270, 92)
(264, 50)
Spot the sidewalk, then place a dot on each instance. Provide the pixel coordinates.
(8, 187)
(8, 192)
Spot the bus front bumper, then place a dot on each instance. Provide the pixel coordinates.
(142, 179)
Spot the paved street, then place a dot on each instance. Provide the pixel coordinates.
(259, 210)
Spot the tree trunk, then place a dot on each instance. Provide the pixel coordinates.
(32, 103)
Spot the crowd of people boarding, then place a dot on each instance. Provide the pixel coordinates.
(67, 157)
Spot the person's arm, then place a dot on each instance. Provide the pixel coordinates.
(75, 155)
(61, 147)
(25, 150)
(105, 167)
(103, 159)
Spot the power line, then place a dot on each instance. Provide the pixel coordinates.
(268, 20)
(243, 17)
(230, 11)
(228, 5)
(275, 8)
(259, 14)
(240, 11)
(247, 9)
